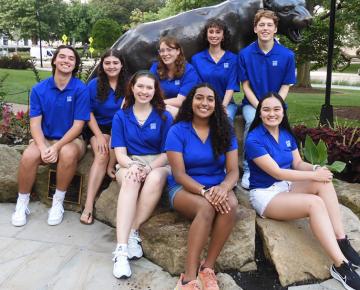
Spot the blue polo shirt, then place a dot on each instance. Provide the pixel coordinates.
(103, 111)
(182, 86)
(221, 75)
(260, 142)
(199, 159)
(59, 108)
(266, 72)
(148, 139)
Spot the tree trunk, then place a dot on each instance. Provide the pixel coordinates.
(303, 75)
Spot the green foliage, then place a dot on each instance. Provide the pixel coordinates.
(317, 154)
(105, 32)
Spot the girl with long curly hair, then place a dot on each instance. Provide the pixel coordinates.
(106, 95)
(177, 77)
(217, 65)
(202, 151)
(138, 136)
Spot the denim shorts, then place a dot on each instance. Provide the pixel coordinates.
(172, 192)
(261, 197)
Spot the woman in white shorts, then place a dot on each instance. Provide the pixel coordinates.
(284, 187)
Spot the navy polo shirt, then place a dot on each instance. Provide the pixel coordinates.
(266, 72)
(59, 108)
(148, 139)
(103, 111)
(182, 86)
(260, 142)
(199, 159)
(221, 75)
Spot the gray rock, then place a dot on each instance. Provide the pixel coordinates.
(295, 252)
(348, 194)
(225, 282)
(9, 164)
(242, 196)
(165, 242)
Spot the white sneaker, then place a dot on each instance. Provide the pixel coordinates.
(135, 250)
(121, 264)
(245, 182)
(18, 218)
(56, 212)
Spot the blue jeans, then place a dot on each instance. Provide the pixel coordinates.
(248, 112)
(231, 110)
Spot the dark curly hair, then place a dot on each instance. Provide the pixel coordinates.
(103, 86)
(221, 131)
(285, 121)
(216, 23)
(77, 58)
(157, 101)
(180, 61)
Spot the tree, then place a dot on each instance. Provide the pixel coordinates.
(105, 32)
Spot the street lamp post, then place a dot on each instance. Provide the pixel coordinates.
(39, 27)
(327, 113)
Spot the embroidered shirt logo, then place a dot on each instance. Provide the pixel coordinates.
(153, 126)
(274, 63)
(226, 65)
(69, 98)
(288, 143)
(177, 82)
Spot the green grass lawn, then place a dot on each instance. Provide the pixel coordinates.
(304, 108)
(18, 83)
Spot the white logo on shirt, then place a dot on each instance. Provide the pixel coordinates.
(288, 143)
(69, 98)
(177, 82)
(153, 126)
(274, 63)
(226, 65)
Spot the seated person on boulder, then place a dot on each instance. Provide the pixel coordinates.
(264, 66)
(59, 107)
(284, 187)
(202, 151)
(138, 137)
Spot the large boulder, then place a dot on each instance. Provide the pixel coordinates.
(9, 164)
(295, 252)
(348, 194)
(165, 242)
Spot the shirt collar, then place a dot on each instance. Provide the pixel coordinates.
(70, 85)
(224, 58)
(274, 50)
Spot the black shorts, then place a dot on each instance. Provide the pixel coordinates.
(87, 133)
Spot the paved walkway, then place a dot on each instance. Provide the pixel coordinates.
(70, 256)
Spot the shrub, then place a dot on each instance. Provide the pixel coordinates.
(105, 32)
(15, 62)
(343, 144)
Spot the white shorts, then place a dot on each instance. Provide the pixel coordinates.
(260, 197)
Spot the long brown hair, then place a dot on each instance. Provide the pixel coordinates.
(157, 101)
(180, 61)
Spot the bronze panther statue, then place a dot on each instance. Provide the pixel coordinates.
(139, 45)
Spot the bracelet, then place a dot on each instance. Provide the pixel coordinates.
(315, 167)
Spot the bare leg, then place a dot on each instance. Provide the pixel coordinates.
(326, 192)
(126, 206)
(222, 228)
(203, 214)
(111, 165)
(290, 206)
(150, 195)
(30, 160)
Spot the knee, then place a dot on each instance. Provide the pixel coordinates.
(68, 155)
(316, 204)
(206, 212)
(233, 204)
(156, 179)
(101, 159)
(30, 157)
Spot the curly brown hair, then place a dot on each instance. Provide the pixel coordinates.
(157, 101)
(103, 86)
(216, 23)
(221, 131)
(180, 61)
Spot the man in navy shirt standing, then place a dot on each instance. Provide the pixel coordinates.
(59, 107)
(264, 66)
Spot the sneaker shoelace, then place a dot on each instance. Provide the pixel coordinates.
(210, 278)
(21, 206)
(57, 205)
(134, 241)
(118, 253)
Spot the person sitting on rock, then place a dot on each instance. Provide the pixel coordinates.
(176, 76)
(284, 187)
(138, 136)
(59, 107)
(202, 151)
(106, 96)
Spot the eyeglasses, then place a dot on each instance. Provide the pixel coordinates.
(165, 50)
